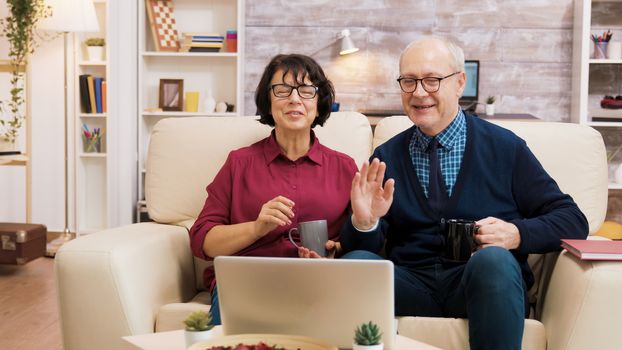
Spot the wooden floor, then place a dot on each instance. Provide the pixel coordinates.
(28, 307)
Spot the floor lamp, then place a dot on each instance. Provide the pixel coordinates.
(68, 16)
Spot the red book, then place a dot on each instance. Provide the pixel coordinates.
(593, 249)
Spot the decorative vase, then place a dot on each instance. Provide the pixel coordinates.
(618, 174)
(195, 337)
(209, 104)
(221, 107)
(356, 346)
(95, 53)
(490, 109)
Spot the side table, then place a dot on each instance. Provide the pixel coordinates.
(174, 340)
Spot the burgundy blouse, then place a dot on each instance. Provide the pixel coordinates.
(319, 184)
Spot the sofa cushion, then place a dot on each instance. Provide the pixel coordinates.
(186, 153)
(453, 333)
(171, 316)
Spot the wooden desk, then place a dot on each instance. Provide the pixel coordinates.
(174, 340)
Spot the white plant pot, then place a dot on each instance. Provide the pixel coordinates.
(367, 347)
(490, 109)
(96, 53)
(195, 337)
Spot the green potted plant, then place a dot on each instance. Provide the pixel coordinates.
(367, 336)
(95, 48)
(19, 30)
(490, 105)
(198, 326)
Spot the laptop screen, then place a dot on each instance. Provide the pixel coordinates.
(319, 298)
(471, 90)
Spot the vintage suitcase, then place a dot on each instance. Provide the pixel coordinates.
(21, 243)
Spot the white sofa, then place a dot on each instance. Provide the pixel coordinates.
(142, 278)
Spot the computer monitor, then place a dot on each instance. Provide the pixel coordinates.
(470, 95)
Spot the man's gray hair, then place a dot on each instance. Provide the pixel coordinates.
(454, 49)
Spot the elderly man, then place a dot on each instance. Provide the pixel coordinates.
(451, 165)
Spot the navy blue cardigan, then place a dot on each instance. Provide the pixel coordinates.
(499, 176)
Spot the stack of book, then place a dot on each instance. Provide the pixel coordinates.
(93, 91)
(201, 42)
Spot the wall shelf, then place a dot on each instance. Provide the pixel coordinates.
(188, 54)
(188, 114)
(219, 74)
(93, 170)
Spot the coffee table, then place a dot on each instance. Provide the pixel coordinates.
(174, 340)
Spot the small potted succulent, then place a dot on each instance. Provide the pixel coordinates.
(490, 105)
(367, 336)
(95, 48)
(198, 327)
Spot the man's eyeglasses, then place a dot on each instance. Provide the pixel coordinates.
(284, 90)
(430, 84)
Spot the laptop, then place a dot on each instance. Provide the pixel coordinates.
(324, 299)
(470, 96)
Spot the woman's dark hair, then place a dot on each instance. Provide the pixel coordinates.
(300, 66)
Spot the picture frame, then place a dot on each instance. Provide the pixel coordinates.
(171, 94)
(163, 25)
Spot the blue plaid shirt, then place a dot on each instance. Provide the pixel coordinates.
(452, 140)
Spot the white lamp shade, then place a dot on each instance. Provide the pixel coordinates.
(347, 46)
(70, 16)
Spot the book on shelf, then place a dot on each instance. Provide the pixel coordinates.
(91, 87)
(204, 49)
(203, 35)
(199, 49)
(85, 101)
(606, 115)
(98, 95)
(212, 45)
(202, 39)
(104, 96)
(593, 249)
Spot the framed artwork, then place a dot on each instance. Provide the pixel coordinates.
(171, 94)
(163, 26)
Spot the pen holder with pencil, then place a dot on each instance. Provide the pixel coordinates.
(91, 141)
(600, 50)
(600, 45)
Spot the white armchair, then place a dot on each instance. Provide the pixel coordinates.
(142, 278)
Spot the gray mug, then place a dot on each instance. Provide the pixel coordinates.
(459, 239)
(313, 235)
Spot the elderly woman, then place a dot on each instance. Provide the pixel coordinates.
(267, 188)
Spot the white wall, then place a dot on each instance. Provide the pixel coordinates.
(47, 135)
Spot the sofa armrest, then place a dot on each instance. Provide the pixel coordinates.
(583, 304)
(111, 283)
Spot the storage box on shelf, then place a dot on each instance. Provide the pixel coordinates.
(215, 73)
(92, 124)
(595, 77)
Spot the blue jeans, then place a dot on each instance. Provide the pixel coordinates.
(488, 290)
(215, 308)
